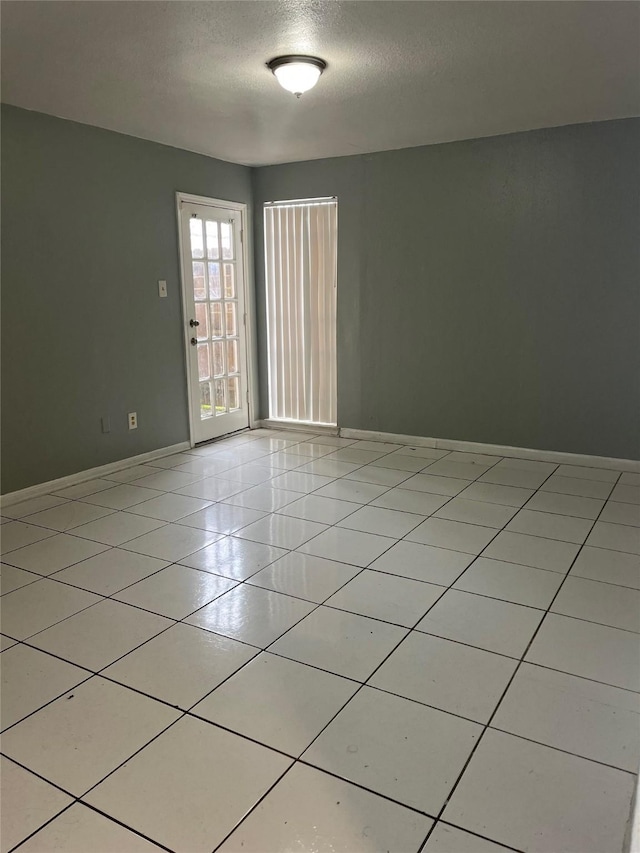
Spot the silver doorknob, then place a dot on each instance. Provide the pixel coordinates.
(194, 341)
(193, 323)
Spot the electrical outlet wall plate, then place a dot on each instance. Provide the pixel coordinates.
(133, 420)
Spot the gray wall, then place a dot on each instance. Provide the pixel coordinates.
(88, 227)
(488, 290)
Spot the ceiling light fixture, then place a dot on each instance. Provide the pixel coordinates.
(297, 74)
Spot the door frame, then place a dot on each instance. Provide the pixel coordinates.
(246, 238)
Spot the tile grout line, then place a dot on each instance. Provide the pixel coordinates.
(52, 575)
(511, 679)
(504, 692)
(101, 672)
(270, 453)
(335, 591)
(247, 580)
(300, 759)
(182, 714)
(77, 801)
(476, 834)
(266, 513)
(26, 642)
(160, 470)
(200, 700)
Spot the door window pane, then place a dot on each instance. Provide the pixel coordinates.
(226, 233)
(234, 393)
(231, 319)
(215, 291)
(204, 371)
(195, 232)
(217, 330)
(221, 396)
(213, 248)
(228, 273)
(205, 400)
(202, 331)
(199, 287)
(232, 357)
(218, 358)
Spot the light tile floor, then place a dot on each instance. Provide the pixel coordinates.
(288, 641)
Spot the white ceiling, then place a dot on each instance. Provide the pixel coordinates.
(400, 74)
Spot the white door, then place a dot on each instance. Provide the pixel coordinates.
(215, 321)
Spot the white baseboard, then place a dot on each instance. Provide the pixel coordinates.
(557, 456)
(299, 426)
(90, 474)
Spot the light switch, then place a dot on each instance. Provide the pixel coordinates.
(162, 288)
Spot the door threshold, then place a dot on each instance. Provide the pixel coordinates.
(222, 437)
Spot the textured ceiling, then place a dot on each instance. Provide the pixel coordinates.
(192, 74)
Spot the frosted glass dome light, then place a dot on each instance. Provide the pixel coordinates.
(297, 74)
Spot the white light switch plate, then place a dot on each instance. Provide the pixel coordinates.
(162, 288)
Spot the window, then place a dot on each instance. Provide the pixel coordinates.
(301, 279)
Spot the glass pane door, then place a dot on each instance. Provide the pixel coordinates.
(216, 323)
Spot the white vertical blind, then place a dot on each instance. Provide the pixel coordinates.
(301, 277)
